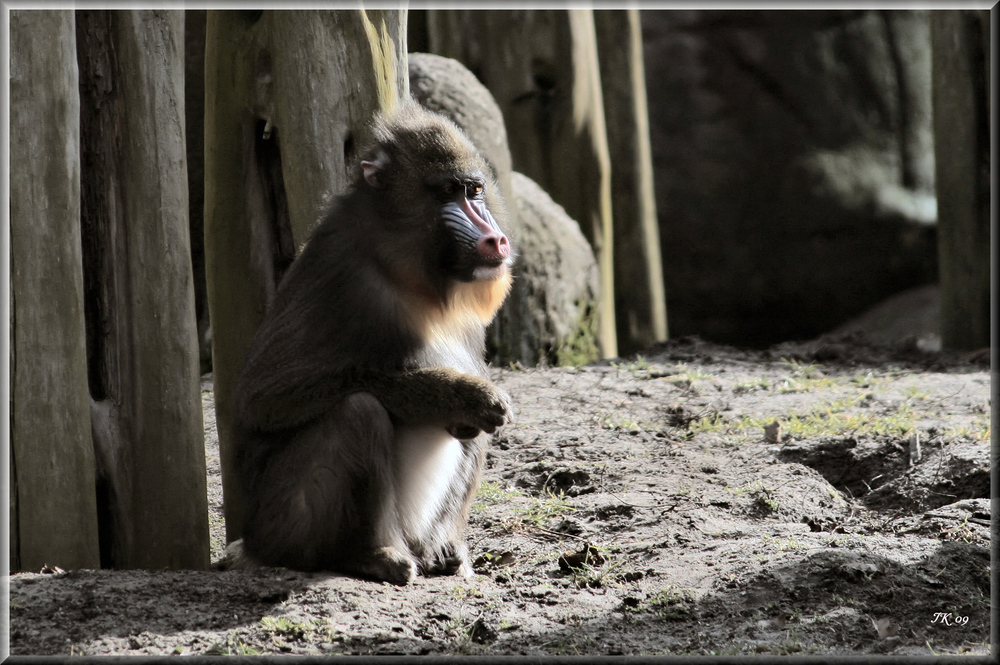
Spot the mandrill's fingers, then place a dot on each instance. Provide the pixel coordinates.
(493, 411)
(464, 432)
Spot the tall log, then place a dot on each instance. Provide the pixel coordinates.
(289, 99)
(640, 300)
(961, 50)
(542, 68)
(141, 325)
(53, 510)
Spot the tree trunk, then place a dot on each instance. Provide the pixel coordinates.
(141, 325)
(961, 47)
(53, 511)
(542, 68)
(289, 99)
(640, 300)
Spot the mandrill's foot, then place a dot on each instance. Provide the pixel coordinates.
(387, 564)
(235, 557)
(452, 560)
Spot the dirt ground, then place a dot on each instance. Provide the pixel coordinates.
(644, 506)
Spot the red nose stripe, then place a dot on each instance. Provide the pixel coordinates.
(492, 244)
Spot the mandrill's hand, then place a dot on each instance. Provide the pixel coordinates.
(484, 406)
(463, 403)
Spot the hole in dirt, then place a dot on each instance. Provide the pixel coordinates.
(879, 472)
(853, 468)
(562, 481)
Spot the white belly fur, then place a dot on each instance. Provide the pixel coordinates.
(427, 459)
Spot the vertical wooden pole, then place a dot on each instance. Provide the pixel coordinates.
(53, 506)
(640, 300)
(142, 329)
(961, 54)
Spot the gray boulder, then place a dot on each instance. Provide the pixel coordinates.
(447, 87)
(550, 316)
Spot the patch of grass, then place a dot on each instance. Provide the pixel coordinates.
(806, 382)
(751, 385)
(602, 568)
(595, 577)
(640, 364)
(786, 545)
(916, 393)
(865, 380)
(794, 385)
(231, 647)
(835, 419)
(794, 645)
(961, 532)
(977, 431)
(543, 510)
(460, 634)
(493, 493)
(762, 500)
(688, 377)
(292, 630)
(713, 421)
(829, 419)
(580, 346)
(804, 377)
(620, 423)
(459, 592)
(674, 604)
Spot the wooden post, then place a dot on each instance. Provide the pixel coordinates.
(542, 68)
(961, 57)
(141, 325)
(640, 300)
(289, 99)
(53, 507)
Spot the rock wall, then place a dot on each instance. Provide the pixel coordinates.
(794, 166)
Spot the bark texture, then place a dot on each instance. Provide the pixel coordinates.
(142, 348)
(961, 48)
(53, 511)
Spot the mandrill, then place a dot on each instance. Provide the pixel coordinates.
(363, 408)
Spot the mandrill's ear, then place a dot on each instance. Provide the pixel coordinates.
(373, 169)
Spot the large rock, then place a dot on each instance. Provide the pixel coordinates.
(447, 87)
(794, 166)
(550, 315)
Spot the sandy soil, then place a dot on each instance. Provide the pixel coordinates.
(646, 506)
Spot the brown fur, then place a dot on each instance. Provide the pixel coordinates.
(362, 411)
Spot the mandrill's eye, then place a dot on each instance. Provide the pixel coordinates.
(474, 190)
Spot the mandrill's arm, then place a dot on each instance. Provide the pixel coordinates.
(440, 396)
(424, 396)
